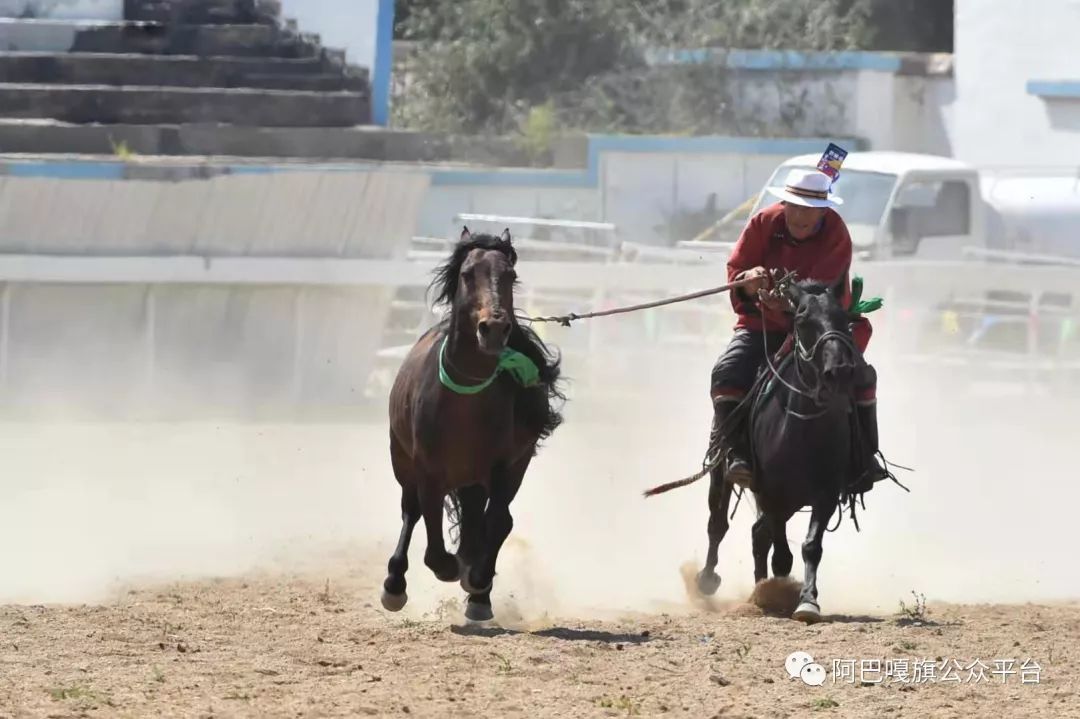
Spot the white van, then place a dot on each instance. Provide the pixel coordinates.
(902, 205)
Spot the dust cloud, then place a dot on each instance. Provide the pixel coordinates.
(90, 507)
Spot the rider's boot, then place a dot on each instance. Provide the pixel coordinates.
(872, 471)
(735, 465)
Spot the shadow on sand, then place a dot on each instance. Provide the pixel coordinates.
(563, 633)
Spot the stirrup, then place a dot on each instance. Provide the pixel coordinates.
(870, 476)
(737, 472)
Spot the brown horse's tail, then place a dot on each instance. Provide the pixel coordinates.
(675, 485)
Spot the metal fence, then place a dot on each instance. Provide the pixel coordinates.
(1006, 319)
(190, 337)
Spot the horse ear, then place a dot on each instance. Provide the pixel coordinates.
(505, 237)
(795, 296)
(465, 234)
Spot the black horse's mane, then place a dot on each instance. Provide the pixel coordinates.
(813, 287)
(539, 416)
(820, 288)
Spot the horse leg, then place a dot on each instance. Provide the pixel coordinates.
(505, 483)
(781, 558)
(761, 540)
(441, 562)
(808, 610)
(394, 597)
(708, 581)
(471, 528)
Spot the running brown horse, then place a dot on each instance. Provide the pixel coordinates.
(470, 404)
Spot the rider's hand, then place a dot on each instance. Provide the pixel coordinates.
(758, 280)
(772, 302)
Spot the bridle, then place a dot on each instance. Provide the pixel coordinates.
(804, 358)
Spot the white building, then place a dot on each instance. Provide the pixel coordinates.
(1017, 78)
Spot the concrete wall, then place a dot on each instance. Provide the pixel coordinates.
(242, 211)
(891, 101)
(1018, 82)
(924, 114)
(160, 344)
(637, 182)
(63, 9)
(363, 28)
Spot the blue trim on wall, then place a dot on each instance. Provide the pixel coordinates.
(384, 60)
(1054, 88)
(514, 178)
(589, 177)
(66, 170)
(776, 59)
(599, 144)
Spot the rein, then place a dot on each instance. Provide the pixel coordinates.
(806, 357)
(565, 320)
(523, 369)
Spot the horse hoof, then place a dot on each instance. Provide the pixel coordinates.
(708, 582)
(394, 602)
(807, 612)
(476, 612)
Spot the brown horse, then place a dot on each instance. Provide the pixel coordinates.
(468, 407)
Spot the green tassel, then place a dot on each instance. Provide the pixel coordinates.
(859, 306)
(856, 290)
(521, 367)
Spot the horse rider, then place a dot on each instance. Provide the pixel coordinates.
(801, 233)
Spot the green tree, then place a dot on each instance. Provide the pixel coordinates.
(487, 62)
(486, 65)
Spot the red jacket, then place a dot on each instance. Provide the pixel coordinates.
(824, 256)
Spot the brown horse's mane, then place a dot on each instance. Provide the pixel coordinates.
(447, 274)
(537, 410)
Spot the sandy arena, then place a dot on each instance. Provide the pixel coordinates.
(224, 569)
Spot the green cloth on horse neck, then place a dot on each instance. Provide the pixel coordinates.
(860, 306)
(523, 369)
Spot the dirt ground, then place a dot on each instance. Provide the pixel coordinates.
(216, 569)
(319, 645)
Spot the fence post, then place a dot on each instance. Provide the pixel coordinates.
(5, 325)
(298, 346)
(149, 340)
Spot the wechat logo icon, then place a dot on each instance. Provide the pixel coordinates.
(800, 665)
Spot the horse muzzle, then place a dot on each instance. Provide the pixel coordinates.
(836, 383)
(492, 334)
(839, 376)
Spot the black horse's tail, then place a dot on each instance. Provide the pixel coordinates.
(452, 503)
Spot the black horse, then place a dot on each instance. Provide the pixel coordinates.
(803, 435)
(468, 407)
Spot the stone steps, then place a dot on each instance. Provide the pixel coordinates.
(155, 38)
(174, 105)
(181, 77)
(312, 74)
